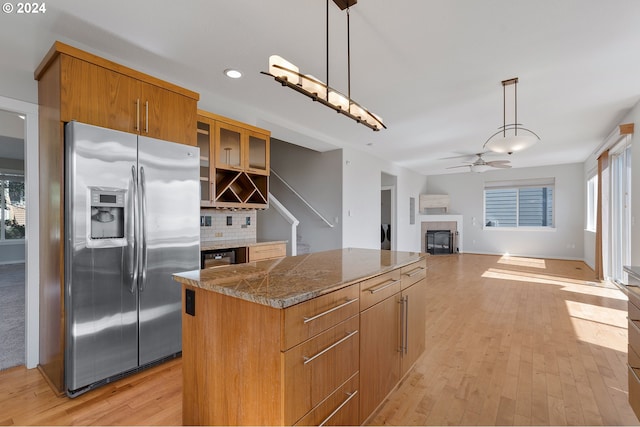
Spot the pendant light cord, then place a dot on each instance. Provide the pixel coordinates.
(327, 50)
(348, 61)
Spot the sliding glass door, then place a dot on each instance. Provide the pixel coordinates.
(620, 211)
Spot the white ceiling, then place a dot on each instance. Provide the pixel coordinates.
(431, 68)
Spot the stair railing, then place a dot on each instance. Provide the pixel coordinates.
(288, 216)
(273, 173)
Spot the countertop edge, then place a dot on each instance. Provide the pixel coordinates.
(281, 303)
(230, 244)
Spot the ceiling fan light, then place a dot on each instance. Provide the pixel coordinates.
(480, 168)
(280, 67)
(510, 143)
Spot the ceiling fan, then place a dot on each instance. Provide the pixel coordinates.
(480, 165)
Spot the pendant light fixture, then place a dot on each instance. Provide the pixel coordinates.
(511, 137)
(287, 74)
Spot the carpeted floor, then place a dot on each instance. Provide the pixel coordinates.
(11, 315)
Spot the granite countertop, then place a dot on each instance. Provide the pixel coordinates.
(283, 282)
(208, 245)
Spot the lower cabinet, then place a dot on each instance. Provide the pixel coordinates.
(270, 251)
(330, 360)
(633, 358)
(392, 337)
(379, 353)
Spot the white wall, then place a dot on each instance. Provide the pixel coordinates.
(564, 242)
(317, 177)
(361, 201)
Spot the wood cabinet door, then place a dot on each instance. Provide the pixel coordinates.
(379, 353)
(229, 147)
(257, 152)
(414, 323)
(168, 115)
(205, 130)
(97, 96)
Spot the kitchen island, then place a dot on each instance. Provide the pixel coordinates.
(310, 339)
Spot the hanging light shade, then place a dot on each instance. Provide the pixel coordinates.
(287, 74)
(511, 137)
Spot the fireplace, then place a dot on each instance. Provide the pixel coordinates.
(445, 223)
(438, 242)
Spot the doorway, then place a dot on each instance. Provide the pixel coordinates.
(388, 212)
(12, 240)
(19, 222)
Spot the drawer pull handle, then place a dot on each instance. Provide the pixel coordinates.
(335, 344)
(335, 411)
(415, 271)
(633, 372)
(634, 325)
(383, 287)
(331, 310)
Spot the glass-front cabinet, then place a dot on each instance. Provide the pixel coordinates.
(204, 144)
(234, 163)
(229, 146)
(258, 153)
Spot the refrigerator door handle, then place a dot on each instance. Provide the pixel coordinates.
(143, 229)
(134, 220)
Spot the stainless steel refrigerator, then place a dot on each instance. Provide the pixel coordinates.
(131, 220)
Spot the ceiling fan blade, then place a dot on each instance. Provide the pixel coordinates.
(461, 166)
(471, 156)
(498, 162)
(501, 166)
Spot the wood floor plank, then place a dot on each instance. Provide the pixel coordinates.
(510, 341)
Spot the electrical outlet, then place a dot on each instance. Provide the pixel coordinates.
(218, 234)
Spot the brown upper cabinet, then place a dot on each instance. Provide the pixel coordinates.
(241, 148)
(96, 91)
(234, 163)
(77, 85)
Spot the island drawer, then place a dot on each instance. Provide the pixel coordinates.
(378, 288)
(634, 389)
(633, 311)
(633, 358)
(413, 273)
(634, 335)
(339, 409)
(317, 367)
(261, 252)
(305, 320)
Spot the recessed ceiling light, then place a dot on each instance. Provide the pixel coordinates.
(232, 74)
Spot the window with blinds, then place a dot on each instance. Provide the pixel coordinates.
(525, 203)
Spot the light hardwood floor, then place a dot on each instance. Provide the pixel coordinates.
(510, 341)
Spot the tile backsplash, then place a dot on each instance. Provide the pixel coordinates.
(227, 224)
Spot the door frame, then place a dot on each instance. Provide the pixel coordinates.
(32, 295)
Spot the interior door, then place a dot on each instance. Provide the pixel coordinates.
(170, 229)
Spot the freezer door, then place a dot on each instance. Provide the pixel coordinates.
(170, 228)
(100, 302)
